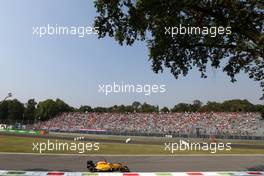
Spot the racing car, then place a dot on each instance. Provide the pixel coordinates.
(104, 166)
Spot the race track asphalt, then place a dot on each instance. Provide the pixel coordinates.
(76, 163)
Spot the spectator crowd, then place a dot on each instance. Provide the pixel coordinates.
(165, 123)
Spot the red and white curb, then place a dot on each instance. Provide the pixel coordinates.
(57, 173)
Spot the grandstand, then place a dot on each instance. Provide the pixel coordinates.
(195, 124)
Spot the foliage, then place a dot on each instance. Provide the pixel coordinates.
(12, 111)
(30, 111)
(262, 113)
(85, 109)
(50, 108)
(165, 110)
(146, 20)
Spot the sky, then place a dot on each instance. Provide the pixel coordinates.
(72, 68)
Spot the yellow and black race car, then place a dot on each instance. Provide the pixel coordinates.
(104, 166)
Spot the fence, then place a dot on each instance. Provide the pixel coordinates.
(173, 135)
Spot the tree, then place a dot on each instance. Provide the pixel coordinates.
(62, 106)
(237, 106)
(49, 108)
(149, 108)
(129, 108)
(30, 111)
(3, 111)
(196, 106)
(212, 106)
(15, 110)
(85, 109)
(165, 109)
(122, 108)
(101, 109)
(148, 20)
(262, 113)
(136, 106)
(46, 110)
(181, 107)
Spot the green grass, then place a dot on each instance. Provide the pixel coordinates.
(25, 145)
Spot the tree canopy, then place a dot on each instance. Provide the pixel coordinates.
(50, 108)
(242, 50)
(12, 111)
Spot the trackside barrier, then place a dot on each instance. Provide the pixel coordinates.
(174, 135)
(57, 173)
(36, 132)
